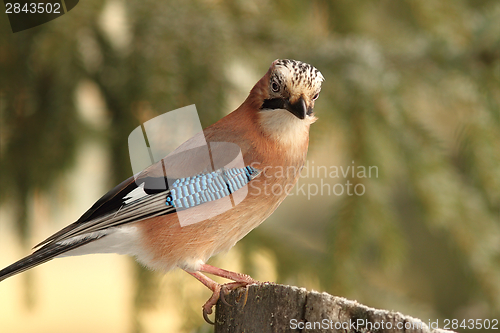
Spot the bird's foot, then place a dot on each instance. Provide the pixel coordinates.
(219, 292)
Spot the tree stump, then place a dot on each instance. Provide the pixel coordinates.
(272, 308)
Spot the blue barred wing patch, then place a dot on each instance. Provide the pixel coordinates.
(193, 191)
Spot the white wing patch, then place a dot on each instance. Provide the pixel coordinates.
(135, 194)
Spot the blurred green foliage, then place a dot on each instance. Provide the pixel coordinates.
(411, 86)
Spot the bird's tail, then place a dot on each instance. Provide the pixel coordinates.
(40, 256)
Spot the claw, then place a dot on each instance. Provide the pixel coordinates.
(223, 299)
(205, 316)
(244, 298)
(207, 307)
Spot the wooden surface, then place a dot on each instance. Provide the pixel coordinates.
(275, 308)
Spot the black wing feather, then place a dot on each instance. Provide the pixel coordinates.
(111, 203)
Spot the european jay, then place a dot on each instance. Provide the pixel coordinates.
(271, 130)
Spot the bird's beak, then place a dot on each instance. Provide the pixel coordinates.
(298, 108)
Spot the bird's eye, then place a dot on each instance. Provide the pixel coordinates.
(315, 97)
(275, 86)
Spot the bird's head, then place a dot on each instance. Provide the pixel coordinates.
(293, 86)
(284, 100)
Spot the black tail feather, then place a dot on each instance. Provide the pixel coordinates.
(42, 255)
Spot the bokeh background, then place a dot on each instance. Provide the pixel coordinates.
(412, 87)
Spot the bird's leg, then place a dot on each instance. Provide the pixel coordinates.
(237, 277)
(212, 285)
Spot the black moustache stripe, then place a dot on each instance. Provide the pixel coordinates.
(273, 103)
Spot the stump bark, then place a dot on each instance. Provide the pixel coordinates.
(271, 308)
